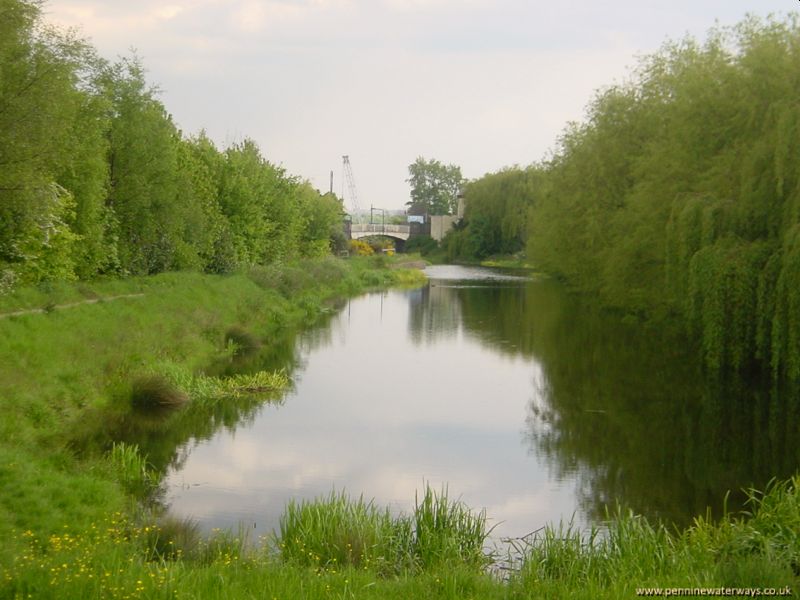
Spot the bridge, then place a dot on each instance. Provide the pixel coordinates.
(362, 230)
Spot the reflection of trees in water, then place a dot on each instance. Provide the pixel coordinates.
(168, 439)
(625, 409)
(434, 313)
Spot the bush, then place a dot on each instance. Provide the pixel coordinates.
(359, 248)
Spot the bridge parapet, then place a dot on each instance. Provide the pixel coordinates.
(360, 230)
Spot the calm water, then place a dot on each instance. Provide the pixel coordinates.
(518, 397)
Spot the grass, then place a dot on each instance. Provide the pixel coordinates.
(120, 557)
(447, 532)
(132, 469)
(760, 548)
(338, 531)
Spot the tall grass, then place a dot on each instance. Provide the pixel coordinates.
(759, 548)
(132, 469)
(155, 392)
(337, 531)
(447, 531)
(118, 558)
(341, 531)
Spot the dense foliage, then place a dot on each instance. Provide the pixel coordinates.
(96, 178)
(434, 187)
(496, 214)
(678, 195)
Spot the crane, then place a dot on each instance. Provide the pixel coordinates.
(351, 185)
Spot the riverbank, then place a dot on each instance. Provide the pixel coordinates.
(74, 525)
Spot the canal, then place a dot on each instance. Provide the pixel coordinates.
(519, 397)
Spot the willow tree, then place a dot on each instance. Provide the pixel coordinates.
(679, 195)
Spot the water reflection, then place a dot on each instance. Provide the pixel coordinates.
(625, 411)
(376, 413)
(525, 400)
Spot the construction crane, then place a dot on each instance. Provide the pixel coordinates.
(350, 181)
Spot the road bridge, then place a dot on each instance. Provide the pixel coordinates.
(362, 230)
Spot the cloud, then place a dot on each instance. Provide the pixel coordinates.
(477, 83)
(254, 16)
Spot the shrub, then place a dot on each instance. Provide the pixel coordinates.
(360, 248)
(424, 244)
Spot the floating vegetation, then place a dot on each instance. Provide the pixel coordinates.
(203, 388)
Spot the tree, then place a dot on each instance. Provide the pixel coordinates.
(144, 169)
(434, 187)
(39, 107)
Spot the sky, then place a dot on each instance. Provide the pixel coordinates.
(479, 84)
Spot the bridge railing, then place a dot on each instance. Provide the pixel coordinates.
(378, 228)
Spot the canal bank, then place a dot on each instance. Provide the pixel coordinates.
(110, 548)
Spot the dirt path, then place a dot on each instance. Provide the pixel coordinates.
(32, 311)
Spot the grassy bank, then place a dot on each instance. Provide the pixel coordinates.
(82, 381)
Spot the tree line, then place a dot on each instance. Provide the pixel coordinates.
(677, 197)
(96, 178)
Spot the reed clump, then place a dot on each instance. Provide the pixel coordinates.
(156, 392)
(338, 531)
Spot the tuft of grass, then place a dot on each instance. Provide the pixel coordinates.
(338, 531)
(448, 532)
(155, 392)
(132, 469)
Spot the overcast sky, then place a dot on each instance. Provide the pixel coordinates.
(477, 83)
